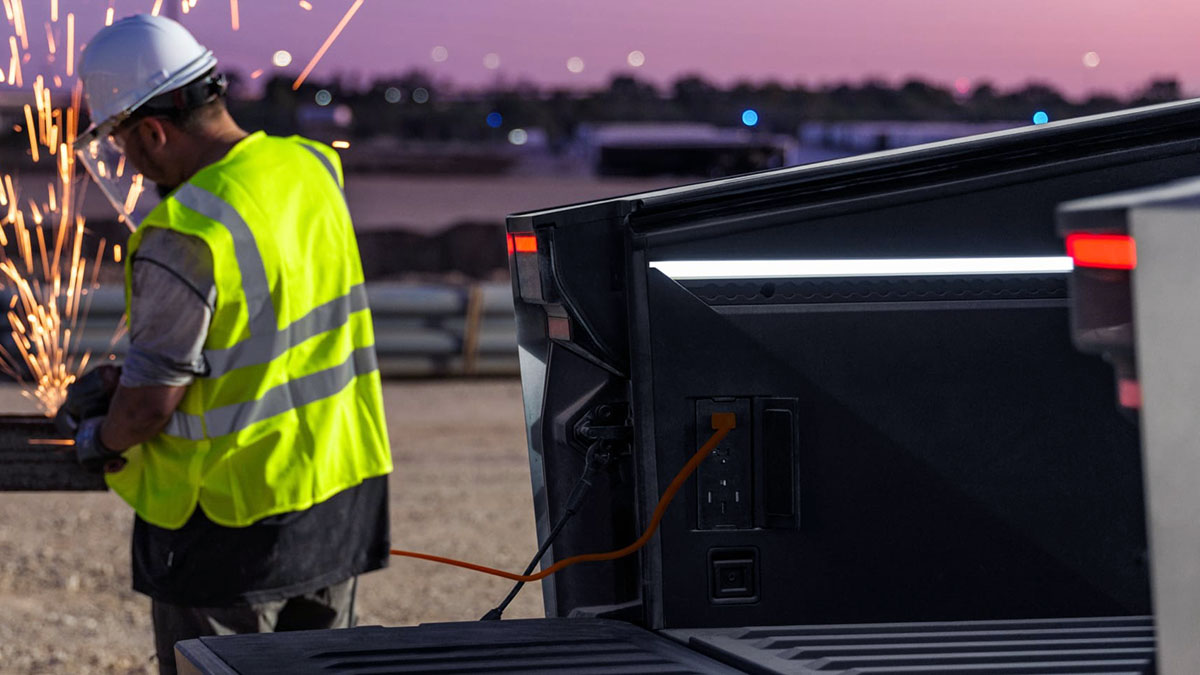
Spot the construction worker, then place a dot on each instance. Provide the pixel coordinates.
(247, 428)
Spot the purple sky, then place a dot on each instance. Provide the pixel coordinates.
(809, 41)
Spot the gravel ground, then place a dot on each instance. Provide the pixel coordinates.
(461, 489)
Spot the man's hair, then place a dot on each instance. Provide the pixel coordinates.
(193, 119)
(191, 106)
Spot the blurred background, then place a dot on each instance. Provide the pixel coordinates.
(448, 115)
(451, 114)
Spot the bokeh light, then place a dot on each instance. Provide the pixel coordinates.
(439, 54)
(323, 97)
(575, 64)
(491, 61)
(518, 137)
(393, 95)
(1091, 59)
(749, 117)
(1040, 117)
(281, 58)
(963, 86)
(420, 95)
(495, 120)
(636, 58)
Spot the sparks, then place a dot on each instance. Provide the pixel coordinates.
(108, 17)
(341, 145)
(328, 41)
(233, 14)
(70, 44)
(305, 5)
(33, 146)
(14, 73)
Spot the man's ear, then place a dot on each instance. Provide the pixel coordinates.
(153, 133)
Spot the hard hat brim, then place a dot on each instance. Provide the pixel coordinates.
(199, 66)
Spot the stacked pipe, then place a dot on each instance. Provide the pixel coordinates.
(421, 330)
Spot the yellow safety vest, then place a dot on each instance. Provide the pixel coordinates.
(291, 412)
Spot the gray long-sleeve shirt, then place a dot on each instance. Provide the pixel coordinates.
(172, 299)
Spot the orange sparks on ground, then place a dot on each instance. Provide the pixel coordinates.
(340, 145)
(328, 41)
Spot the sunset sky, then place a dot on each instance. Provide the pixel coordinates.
(811, 41)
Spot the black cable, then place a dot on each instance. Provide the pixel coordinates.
(597, 456)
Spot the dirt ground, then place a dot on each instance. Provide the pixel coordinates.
(461, 489)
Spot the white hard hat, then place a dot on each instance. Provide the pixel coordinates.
(134, 60)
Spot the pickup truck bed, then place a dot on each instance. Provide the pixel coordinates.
(602, 646)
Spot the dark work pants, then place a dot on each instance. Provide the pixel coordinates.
(330, 607)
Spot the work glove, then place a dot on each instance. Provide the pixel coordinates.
(91, 453)
(87, 397)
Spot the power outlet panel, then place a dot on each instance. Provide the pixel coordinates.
(725, 481)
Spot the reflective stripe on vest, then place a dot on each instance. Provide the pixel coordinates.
(261, 349)
(276, 401)
(324, 160)
(260, 307)
(266, 342)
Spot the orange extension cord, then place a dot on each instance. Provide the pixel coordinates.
(722, 423)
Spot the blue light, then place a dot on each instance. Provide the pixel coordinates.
(749, 117)
(1040, 117)
(494, 120)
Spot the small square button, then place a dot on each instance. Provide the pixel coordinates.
(732, 575)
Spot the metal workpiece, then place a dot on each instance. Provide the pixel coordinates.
(35, 457)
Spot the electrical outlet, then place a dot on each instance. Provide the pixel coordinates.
(725, 480)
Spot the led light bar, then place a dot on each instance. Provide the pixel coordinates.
(881, 267)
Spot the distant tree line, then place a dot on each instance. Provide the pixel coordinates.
(449, 114)
(392, 106)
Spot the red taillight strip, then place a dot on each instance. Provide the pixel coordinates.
(1107, 251)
